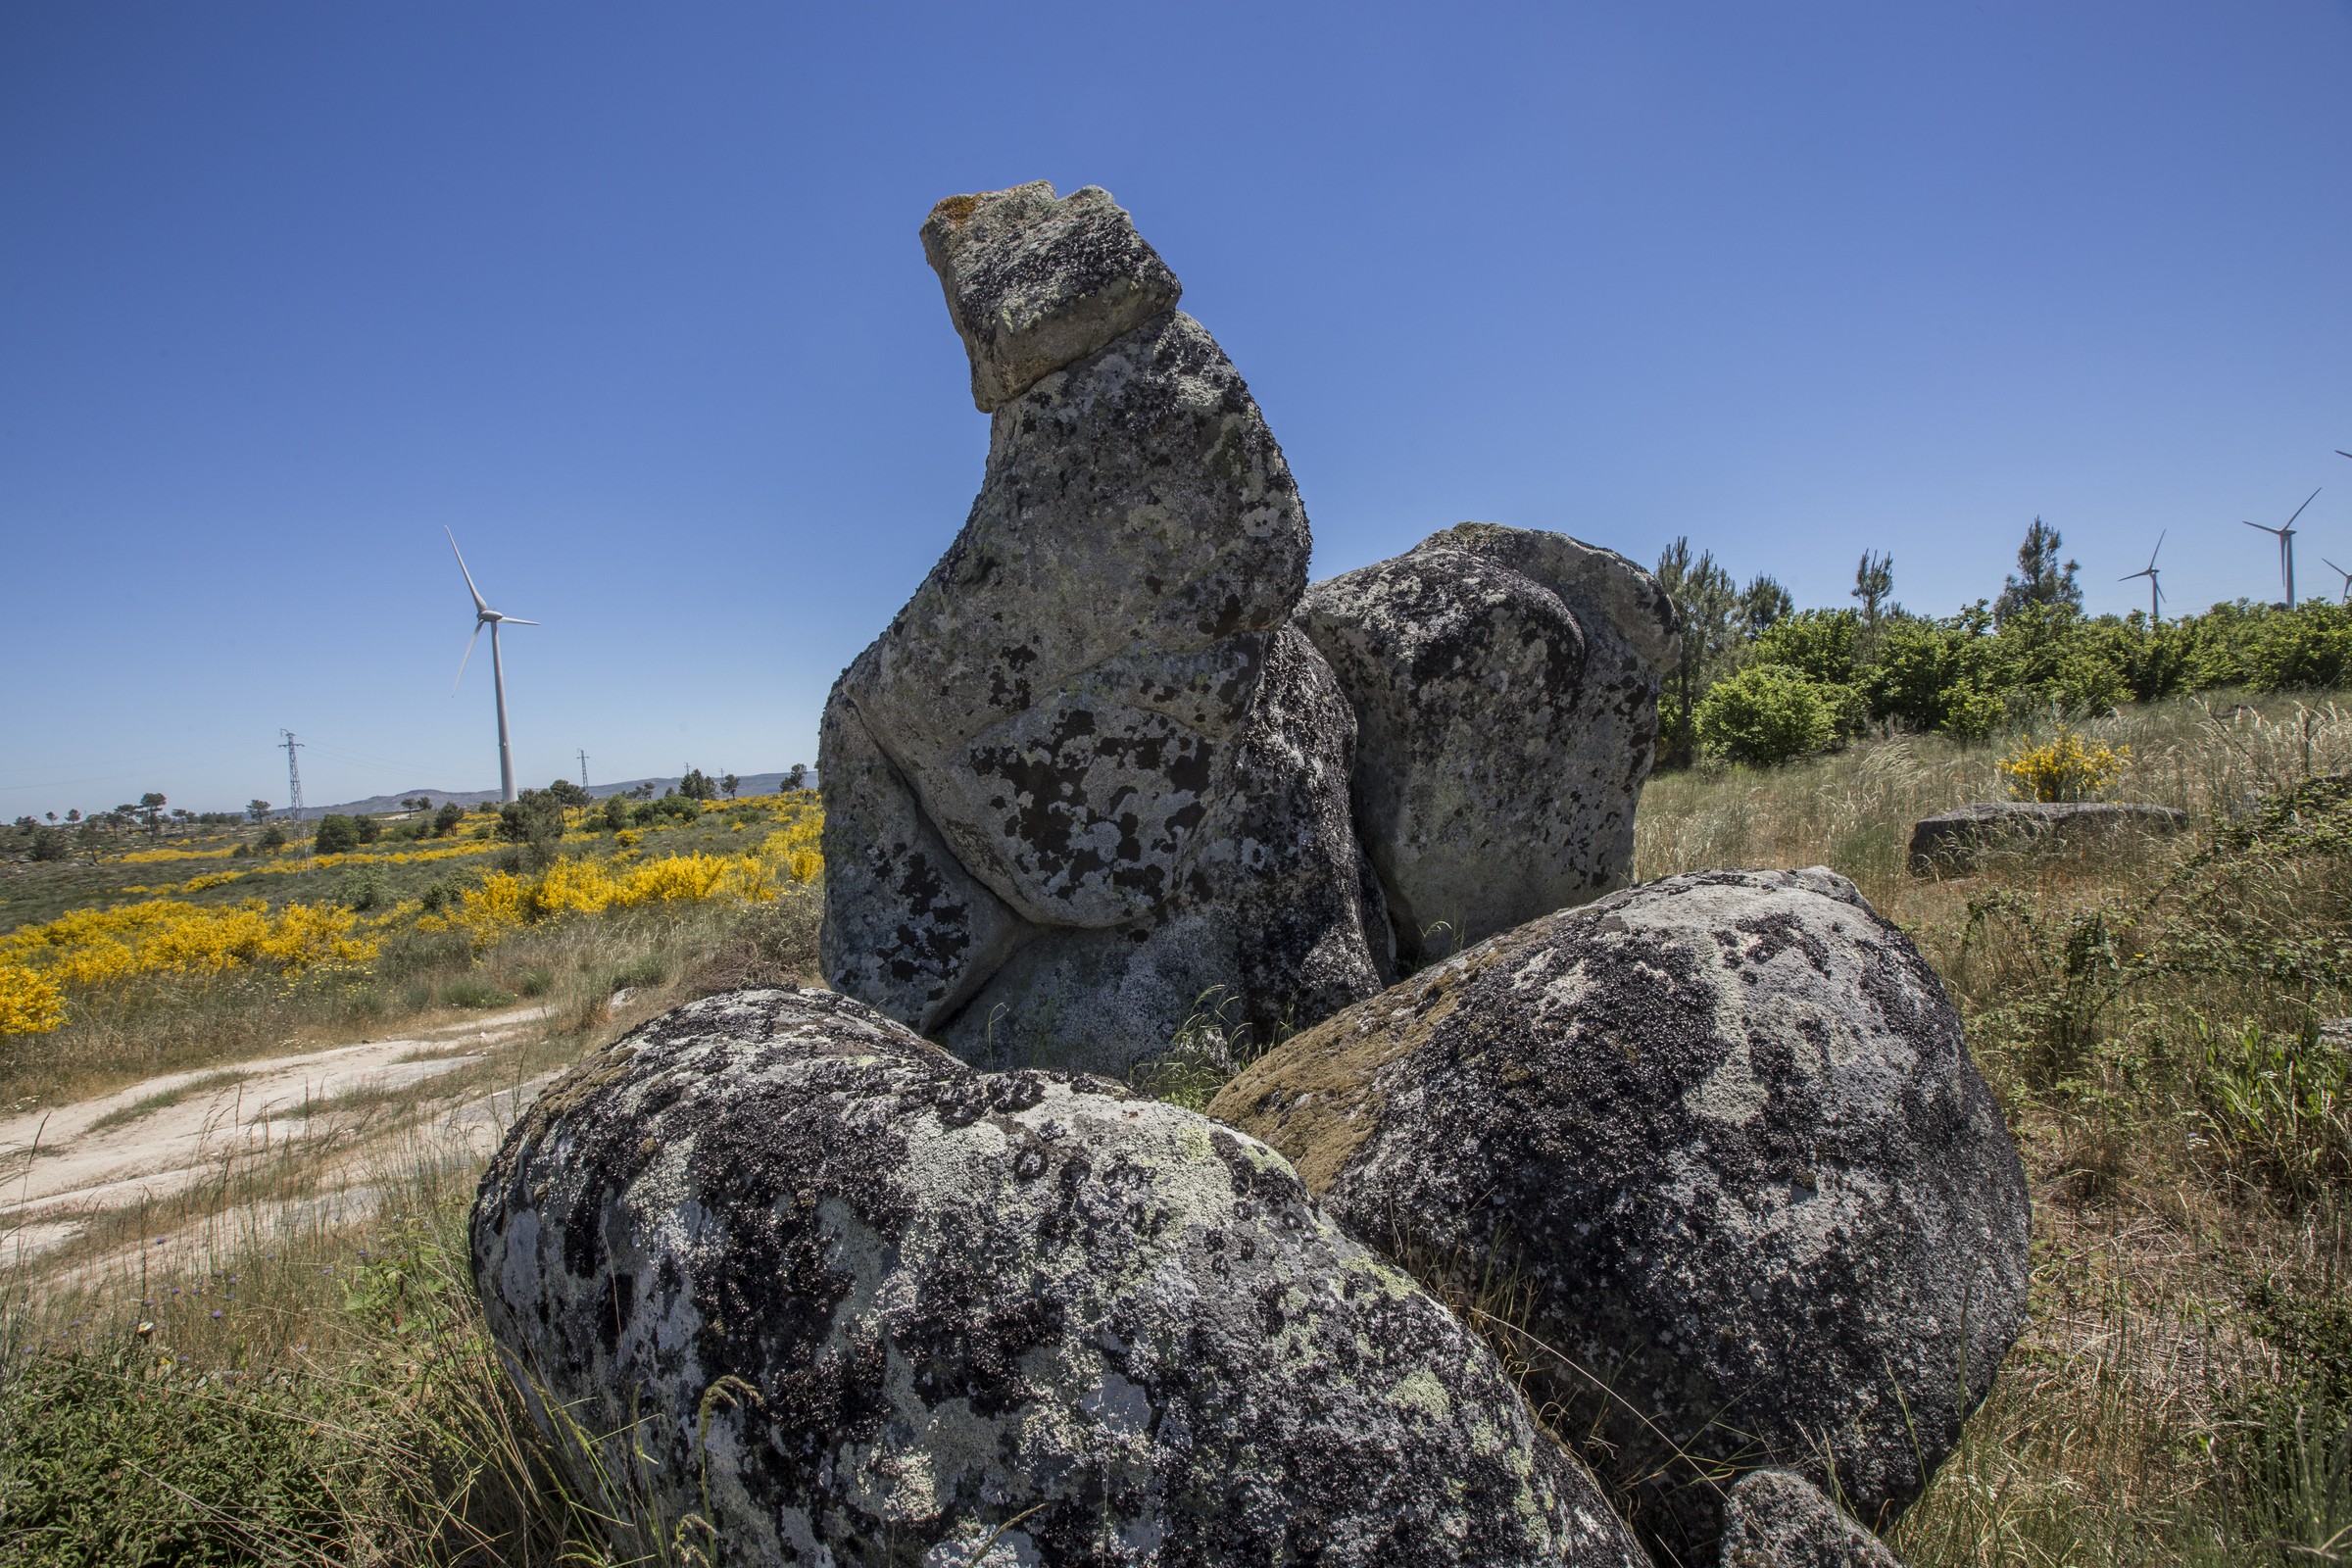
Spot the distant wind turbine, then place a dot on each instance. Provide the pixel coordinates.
(484, 615)
(2155, 589)
(2341, 573)
(2286, 546)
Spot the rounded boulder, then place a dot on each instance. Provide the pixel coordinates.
(809, 1277)
(1714, 1149)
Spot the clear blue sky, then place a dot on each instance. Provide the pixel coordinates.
(631, 297)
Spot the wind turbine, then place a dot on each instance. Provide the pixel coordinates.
(2286, 546)
(484, 615)
(2155, 588)
(2341, 573)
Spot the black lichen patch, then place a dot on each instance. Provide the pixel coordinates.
(1037, 1296)
(1741, 1224)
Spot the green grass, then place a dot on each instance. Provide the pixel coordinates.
(474, 995)
(331, 1400)
(306, 1392)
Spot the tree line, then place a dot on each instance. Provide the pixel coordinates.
(1761, 682)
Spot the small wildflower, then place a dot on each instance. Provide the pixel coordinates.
(216, 1311)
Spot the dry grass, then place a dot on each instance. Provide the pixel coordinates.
(286, 1361)
(2146, 1009)
(2179, 1398)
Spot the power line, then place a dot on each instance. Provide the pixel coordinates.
(293, 782)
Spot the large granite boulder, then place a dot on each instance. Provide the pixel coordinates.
(800, 1272)
(1088, 700)
(1722, 1135)
(1773, 1519)
(1505, 689)
(1266, 934)
(1952, 841)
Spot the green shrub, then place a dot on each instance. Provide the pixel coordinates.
(467, 992)
(1816, 642)
(534, 818)
(675, 807)
(273, 837)
(364, 887)
(534, 982)
(113, 1458)
(446, 819)
(444, 891)
(337, 834)
(1768, 714)
(640, 974)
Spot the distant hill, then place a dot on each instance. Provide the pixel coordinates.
(378, 804)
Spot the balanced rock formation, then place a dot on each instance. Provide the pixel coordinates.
(1506, 690)
(1093, 778)
(1722, 1131)
(1094, 705)
(854, 1302)
(1773, 1519)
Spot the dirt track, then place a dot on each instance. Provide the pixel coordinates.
(154, 1140)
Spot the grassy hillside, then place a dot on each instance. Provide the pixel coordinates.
(309, 1388)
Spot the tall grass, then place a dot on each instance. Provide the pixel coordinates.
(299, 1373)
(2150, 1009)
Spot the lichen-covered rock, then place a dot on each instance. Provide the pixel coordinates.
(857, 1303)
(1950, 841)
(1774, 1519)
(906, 925)
(1034, 282)
(1506, 724)
(1723, 1132)
(1081, 697)
(1269, 927)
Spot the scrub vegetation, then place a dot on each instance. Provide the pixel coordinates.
(283, 1382)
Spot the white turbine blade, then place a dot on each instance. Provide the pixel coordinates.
(2333, 566)
(2158, 551)
(2307, 500)
(479, 607)
(470, 642)
(513, 621)
(2264, 526)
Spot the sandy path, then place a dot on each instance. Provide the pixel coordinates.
(156, 1137)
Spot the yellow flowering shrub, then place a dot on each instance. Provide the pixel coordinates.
(2066, 768)
(30, 1004)
(90, 947)
(505, 903)
(794, 850)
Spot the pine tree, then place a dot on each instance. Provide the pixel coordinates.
(1874, 585)
(2041, 579)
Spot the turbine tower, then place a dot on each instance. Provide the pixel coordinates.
(2341, 573)
(2286, 546)
(484, 615)
(2155, 589)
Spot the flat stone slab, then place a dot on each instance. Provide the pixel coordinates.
(1949, 840)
